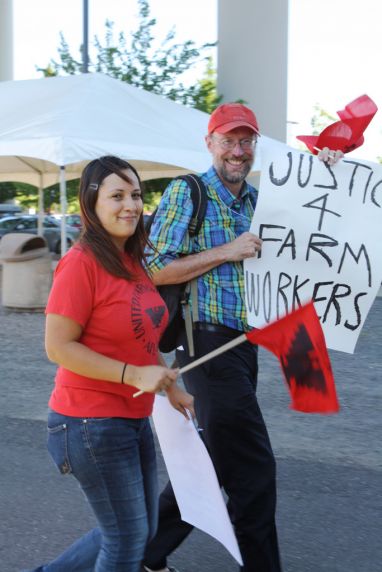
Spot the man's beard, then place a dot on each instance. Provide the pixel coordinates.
(237, 177)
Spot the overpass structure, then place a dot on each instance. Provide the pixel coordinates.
(253, 59)
(6, 40)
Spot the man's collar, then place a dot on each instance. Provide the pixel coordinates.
(214, 178)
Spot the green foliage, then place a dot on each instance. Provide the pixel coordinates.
(152, 192)
(21, 193)
(205, 94)
(52, 197)
(7, 192)
(138, 60)
(321, 119)
(27, 196)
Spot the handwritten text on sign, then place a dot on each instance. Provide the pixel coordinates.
(321, 228)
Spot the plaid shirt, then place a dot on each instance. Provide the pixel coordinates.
(221, 289)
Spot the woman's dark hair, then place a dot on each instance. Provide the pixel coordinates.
(94, 237)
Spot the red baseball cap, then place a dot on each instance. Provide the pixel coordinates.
(231, 115)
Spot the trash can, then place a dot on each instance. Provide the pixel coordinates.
(27, 270)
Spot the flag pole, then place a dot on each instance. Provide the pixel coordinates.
(207, 357)
(214, 353)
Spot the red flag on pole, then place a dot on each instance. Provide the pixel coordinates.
(347, 134)
(299, 343)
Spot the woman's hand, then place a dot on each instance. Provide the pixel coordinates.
(151, 378)
(181, 400)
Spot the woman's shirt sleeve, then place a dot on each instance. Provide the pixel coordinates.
(73, 288)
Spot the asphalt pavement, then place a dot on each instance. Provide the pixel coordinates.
(329, 467)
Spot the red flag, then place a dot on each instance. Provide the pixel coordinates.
(347, 134)
(298, 342)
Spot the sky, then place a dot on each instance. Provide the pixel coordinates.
(37, 25)
(335, 47)
(335, 55)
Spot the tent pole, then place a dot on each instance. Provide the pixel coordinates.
(40, 205)
(40, 217)
(63, 209)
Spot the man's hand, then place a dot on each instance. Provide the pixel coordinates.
(329, 156)
(247, 245)
(181, 400)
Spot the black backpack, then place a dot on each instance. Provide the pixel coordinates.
(178, 295)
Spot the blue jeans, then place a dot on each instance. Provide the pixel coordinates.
(113, 459)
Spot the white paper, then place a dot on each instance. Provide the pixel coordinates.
(193, 476)
(322, 234)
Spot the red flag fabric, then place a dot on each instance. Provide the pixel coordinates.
(299, 343)
(347, 134)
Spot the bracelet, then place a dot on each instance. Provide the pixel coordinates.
(123, 373)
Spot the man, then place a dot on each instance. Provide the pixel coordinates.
(224, 389)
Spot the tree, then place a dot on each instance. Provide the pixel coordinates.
(25, 194)
(321, 119)
(136, 59)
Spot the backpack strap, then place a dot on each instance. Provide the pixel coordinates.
(188, 316)
(199, 201)
(199, 204)
(198, 193)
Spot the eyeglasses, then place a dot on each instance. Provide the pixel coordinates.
(230, 144)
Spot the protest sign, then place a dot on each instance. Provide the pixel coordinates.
(193, 476)
(321, 228)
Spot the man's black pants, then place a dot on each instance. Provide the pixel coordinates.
(236, 437)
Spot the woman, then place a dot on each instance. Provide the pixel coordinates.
(104, 319)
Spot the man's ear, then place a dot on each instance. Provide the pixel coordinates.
(208, 140)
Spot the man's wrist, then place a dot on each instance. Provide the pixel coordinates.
(172, 389)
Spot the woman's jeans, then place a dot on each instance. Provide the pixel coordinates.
(113, 459)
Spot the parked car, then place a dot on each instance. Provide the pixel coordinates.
(71, 219)
(74, 220)
(7, 209)
(51, 229)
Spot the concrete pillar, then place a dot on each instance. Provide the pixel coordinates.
(253, 59)
(6, 40)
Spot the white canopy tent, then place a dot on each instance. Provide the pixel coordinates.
(51, 127)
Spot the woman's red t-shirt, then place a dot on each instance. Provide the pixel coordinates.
(121, 319)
